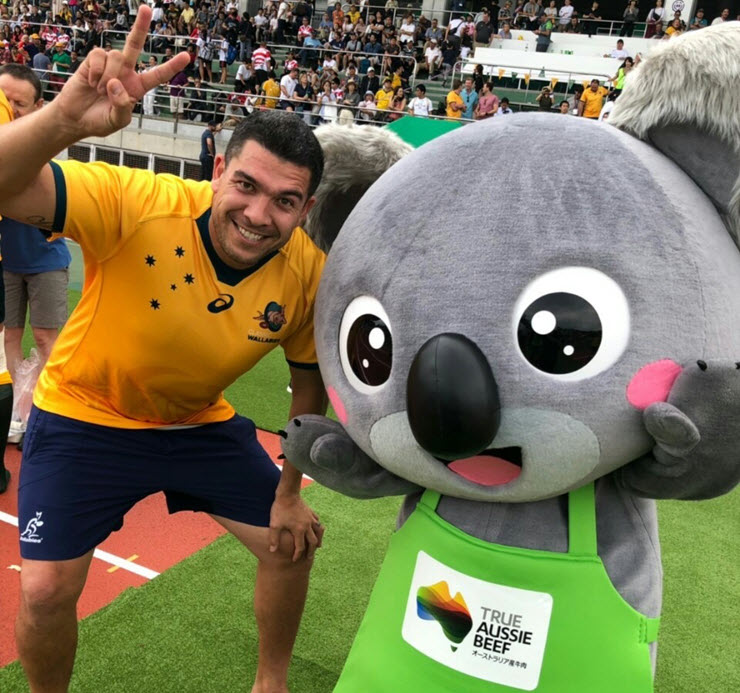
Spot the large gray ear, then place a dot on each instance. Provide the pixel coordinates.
(354, 158)
(685, 99)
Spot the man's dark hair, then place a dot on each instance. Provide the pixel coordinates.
(18, 71)
(421, 88)
(283, 135)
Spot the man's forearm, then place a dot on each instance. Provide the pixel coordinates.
(34, 140)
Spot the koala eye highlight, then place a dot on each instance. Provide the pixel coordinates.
(366, 344)
(572, 323)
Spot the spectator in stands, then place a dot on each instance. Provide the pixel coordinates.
(434, 32)
(592, 101)
(564, 108)
(659, 32)
(74, 62)
(383, 96)
(261, 62)
(205, 55)
(677, 15)
(590, 21)
(370, 82)
(622, 72)
(449, 58)
(374, 50)
(467, 36)
(432, 59)
(630, 16)
(303, 97)
(208, 150)
(288, 83)
(543, 34)
(260, 24)
(327, 104)
(454, 102)
(197, 101)
(504, 108)
(574, 26)
(270, 91)
(544, 99)
(149, 100)
(723, 17)
(699, 21)
(618, 53)
(552, 11)
(478, 78)
(674, 29)
(368, 109)
(407, 32)
(532, 11)
(244, 75)
(397, 108)
(420, 105)
(390, 57)
(564, 14)
(470, 98)
(657, 14)
(223, 58)
(351, 98)
(487, 103)
(483, 31)
(505, 13)
(505, 31)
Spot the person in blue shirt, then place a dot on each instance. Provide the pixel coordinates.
(470, 98)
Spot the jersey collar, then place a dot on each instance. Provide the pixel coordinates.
(224, 273)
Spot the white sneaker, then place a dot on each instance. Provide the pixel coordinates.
(16, 431)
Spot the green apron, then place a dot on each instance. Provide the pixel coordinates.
(451, 613)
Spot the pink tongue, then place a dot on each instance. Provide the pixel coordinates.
(485, 470)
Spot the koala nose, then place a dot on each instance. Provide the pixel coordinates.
(452, 398)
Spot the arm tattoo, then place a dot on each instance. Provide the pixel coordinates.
(40, 221)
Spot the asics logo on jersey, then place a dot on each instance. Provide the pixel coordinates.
(29, 534)
(223, 302)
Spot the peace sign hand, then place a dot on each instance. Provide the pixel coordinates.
(99, 98)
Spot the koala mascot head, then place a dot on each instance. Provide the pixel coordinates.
(496, 335)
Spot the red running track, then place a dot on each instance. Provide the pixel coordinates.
(150, 538)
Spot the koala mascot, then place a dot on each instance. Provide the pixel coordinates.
(533, 379)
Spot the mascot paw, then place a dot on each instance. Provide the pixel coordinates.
(322, 449)
(697, 432)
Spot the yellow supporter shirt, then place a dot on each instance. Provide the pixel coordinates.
(6, 112)
(383, 99)
(6, 115)
(454, 97)
(271, 88)
(163, 325)
(594, 101)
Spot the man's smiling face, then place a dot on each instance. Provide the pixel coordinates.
(258, 200)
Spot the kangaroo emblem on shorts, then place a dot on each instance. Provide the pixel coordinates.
(29, 534)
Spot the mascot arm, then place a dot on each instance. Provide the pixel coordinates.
(697, 436)
(322, 449)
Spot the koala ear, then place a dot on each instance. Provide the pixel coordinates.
(354, 158)
(684, 99)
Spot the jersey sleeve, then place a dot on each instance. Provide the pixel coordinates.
(299, 347)
(6, 113)
(101, 206)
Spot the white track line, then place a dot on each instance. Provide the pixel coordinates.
(101, 555)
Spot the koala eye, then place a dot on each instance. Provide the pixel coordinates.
(366, 344)
(572, 323)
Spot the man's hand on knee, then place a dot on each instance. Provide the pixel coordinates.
(289, 513)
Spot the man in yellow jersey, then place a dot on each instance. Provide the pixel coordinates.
(455, 104)
(187, 285)
(592, 100)
(6, 389)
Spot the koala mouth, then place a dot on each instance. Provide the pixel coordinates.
(492, 467)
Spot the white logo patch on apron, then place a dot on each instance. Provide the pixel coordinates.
(479, 628)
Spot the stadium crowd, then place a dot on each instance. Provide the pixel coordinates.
(359, 63)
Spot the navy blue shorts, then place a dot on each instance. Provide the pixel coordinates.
(78, 479)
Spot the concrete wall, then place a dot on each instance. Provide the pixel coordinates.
(160, 137)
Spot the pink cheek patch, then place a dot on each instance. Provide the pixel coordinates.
(339, 409)
(652, 383)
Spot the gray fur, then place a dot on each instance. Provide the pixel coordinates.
(354, 158)
(691, 82)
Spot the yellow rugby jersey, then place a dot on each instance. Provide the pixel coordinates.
(6, 112)
(163, 325)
